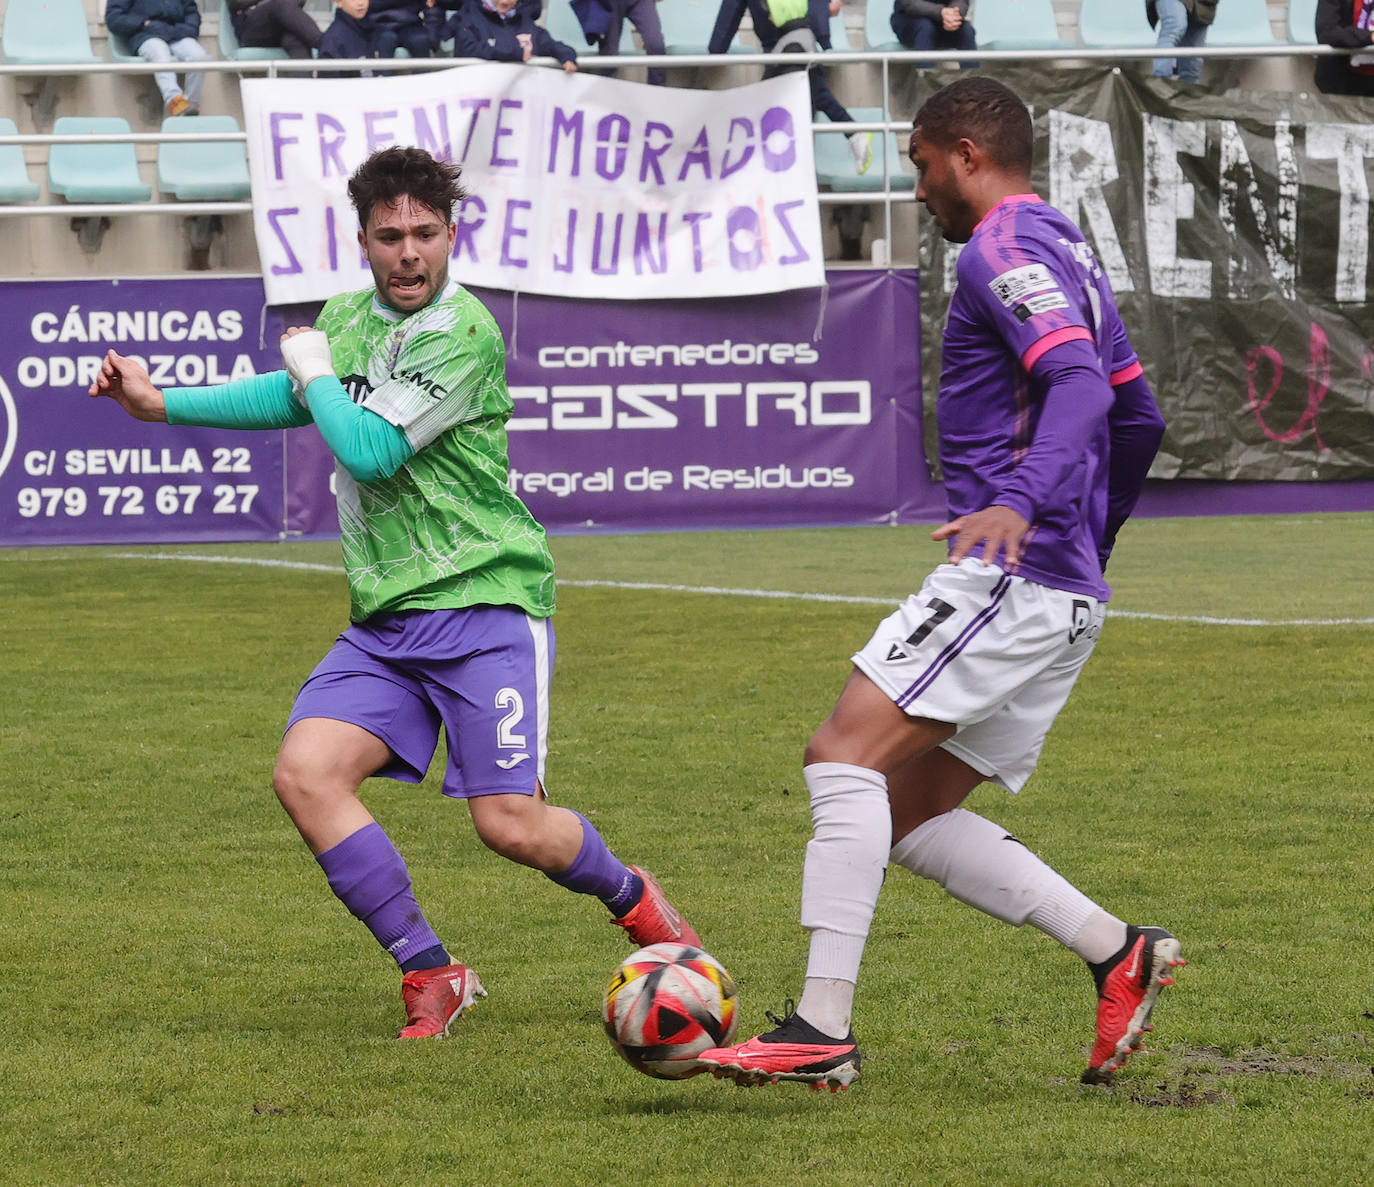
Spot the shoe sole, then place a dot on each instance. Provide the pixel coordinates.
(837, 1078)
(1166, 954)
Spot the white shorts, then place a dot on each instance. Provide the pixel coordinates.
(992, 654)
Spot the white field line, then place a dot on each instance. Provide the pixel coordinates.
(775, 594)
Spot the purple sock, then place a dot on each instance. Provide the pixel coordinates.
(370, 877)
(596, 870)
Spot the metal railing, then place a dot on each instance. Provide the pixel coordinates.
(888, 196)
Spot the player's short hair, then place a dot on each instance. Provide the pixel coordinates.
(395, 172)
(985, 111)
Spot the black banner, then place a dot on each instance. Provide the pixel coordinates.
(1235, 229)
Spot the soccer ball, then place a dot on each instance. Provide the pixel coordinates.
(665, 1003)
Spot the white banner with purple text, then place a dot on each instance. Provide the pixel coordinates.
(579, 186)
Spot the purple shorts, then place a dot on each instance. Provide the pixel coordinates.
(483, 673)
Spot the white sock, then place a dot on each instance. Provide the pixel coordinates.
(828, 1004)
(983, 865)
(846, 860)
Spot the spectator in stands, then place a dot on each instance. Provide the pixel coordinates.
(378, 28)
(794, 26)
(643, 15)
(502, 31)
(275, 24)
(159, 31)
(934, 24)
(1346, 24)
(1181, 23)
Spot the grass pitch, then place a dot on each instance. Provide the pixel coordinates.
(184, 1001)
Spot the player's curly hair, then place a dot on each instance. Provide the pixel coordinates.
(985, 111)
(391, 173)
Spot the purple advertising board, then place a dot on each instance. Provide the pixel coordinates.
(79, 471)
(788, 409)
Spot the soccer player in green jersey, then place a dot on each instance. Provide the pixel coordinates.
(450, 581)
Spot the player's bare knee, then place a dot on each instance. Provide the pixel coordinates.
(512, 827)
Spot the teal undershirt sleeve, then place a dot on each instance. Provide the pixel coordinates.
(258, 402)
(368, 446)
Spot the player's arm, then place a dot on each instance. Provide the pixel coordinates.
(1136, 428)
(258, 402)
(1077, 397)
(365, 444)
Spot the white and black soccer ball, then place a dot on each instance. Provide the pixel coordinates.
(665, 1004)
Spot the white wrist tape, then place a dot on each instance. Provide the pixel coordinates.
(307, 357)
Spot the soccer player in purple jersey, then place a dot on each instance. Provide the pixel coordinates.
(1047, 428)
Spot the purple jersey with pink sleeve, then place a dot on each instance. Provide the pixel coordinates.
(1028, 283)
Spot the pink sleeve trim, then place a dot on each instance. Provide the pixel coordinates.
(1126, 374)
(1051, 340)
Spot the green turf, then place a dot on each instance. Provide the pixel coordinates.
(184, 1002)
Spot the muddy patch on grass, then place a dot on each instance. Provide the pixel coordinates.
(1260, 1062)
(1186, 1094)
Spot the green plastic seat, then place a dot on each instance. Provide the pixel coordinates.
(878, 34)
(687, 26)
(46, 32)
(206, 171)
(15, 184)
(1020, 24)
(1241, 22)
(95, 172)
(230, 49)
(1302, 22)
(1113, 25)
(835, 164)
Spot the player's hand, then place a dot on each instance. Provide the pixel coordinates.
(126, 382)
(994, 527)
(951, 19)
(569, 67)
(306, 354)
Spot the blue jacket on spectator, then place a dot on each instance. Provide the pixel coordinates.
(481, 32)
(732, 12)
(138, 20)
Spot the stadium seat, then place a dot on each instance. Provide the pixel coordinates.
(839, 34)
(835, 165)
(1302, 22)
(1114, 25)
(95, 172)
(1242, 22)
(205, 171)
(46, 32)
(1019, 24)
(230, 49)
(687, 26)
(563, 26)
(15, 184)
(878, 34)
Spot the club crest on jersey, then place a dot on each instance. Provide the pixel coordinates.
(1015, 285)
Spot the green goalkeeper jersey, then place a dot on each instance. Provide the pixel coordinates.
(444, 530)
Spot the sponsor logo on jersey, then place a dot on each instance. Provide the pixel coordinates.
(894, 653)
(433, 390)
(1040, 303)
(1014, 286)
(514, 760)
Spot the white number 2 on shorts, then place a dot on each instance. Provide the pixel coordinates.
(510, 700)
